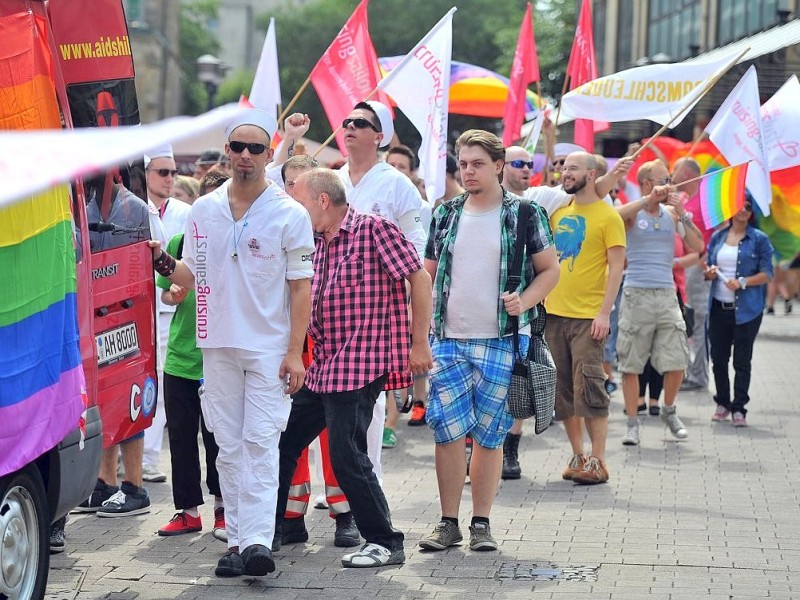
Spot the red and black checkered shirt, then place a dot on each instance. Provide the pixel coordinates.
(359, 312)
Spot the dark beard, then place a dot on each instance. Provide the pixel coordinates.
(577, 186)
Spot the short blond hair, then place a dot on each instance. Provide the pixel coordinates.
(646, 170)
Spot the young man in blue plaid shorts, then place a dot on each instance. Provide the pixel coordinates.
(470, 249)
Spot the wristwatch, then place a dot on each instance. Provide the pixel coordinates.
(743, 283)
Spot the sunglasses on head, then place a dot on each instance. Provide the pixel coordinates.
(164, 172)
(359, 123)
(254, 148)
(518, 164)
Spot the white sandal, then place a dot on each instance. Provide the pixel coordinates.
(373, 555)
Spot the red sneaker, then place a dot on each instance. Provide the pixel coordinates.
(181, 523)
(219, 524)
(417, 414)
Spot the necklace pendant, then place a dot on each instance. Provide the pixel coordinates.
(235, 255)
(656, 225)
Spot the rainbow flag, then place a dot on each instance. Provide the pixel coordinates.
(722, 194)
(41, 377)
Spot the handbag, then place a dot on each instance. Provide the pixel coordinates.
(532, 391)
(688, 315)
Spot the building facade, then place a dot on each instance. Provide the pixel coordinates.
(630, 33)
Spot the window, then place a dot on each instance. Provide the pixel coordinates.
(599, 33)
(739, 18)
(673, 28)
(625, 27)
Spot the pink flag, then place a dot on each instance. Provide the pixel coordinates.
(524, 71)
(581, 68)
(348, 71)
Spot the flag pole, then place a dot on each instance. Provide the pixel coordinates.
(711, 83)
(540, 107)
(563, 91)
(294, 100)
(704, 175)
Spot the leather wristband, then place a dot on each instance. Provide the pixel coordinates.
(164, 264)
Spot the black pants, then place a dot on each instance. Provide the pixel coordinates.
(724, 334)
(650, 378)
(183, 413)
(347, 416)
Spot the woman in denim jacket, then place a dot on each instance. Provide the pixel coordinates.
(740, 265)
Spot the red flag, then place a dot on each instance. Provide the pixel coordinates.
(348, 71)
(581, 68)
(524, 71)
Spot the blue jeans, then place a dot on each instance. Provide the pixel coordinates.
(347, 416)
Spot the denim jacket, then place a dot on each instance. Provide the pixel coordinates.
(755, 256)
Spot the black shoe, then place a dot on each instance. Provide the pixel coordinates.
(257, 560)
(58, 537)
(294, 531)
(640, 409)
(230, 565)
(102, 492)
(511, 468)
(129, 500)
(347, 534)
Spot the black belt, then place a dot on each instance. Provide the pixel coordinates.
(725, 305)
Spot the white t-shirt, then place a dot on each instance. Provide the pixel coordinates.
(727, 257)
(385, 191)
(553, 198)
(173, 222)
(474, 298)
(244, 302)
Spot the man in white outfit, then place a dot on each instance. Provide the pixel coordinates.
(248, 255)
(375, 187)
(160, 171)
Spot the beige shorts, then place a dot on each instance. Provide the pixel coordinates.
(580, 383)
(651, 327)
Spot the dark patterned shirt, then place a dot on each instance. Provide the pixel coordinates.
(442, 239)
(359, 313)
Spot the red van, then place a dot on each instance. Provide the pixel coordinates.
(77, 299)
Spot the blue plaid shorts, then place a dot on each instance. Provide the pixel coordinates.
(469, 386)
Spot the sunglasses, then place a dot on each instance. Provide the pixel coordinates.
(359, 123)
(748, 207)
(664, 181)
(164, 172)
(518, 164)
(238, 147)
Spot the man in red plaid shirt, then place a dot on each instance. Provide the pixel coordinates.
(361, 332)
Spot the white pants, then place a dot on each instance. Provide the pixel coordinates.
(375, 436)
(154, 435)
(247, 410)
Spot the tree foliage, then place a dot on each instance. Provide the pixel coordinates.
(484, 33)
(195, 39)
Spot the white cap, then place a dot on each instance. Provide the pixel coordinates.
(256, 117)
(164, 151)
(385, 118)
(565, 149)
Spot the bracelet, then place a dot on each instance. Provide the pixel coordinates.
(165, 264)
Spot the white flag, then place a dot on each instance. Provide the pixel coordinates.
(780, 118)
(71, 153)
(266, 91)
(420, 86)
(655, 92)
(736, 131)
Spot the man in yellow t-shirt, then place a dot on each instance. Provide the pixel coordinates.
(590, 243)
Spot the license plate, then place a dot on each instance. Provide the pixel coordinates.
(117, 344)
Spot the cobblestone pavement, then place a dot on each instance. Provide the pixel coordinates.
(714, 516)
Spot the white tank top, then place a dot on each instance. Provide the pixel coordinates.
(726, 264)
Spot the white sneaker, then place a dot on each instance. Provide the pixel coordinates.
(676, 427)
(632, 436)
(152, 475)
(321, 502)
